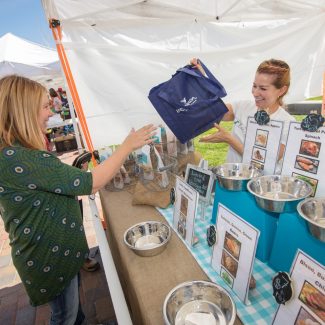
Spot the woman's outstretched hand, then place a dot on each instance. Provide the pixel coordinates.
(221, 135)
(196, 63)
(139, 138)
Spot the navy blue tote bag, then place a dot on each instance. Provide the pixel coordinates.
(189, 103)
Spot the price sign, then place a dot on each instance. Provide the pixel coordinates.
(201, 180)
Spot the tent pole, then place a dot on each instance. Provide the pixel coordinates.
(57, 34)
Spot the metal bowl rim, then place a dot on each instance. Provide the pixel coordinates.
(278, 200)
(145, 223)
(219, 287)
(302, 215)
(236, 164)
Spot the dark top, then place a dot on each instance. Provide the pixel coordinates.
(42, 216)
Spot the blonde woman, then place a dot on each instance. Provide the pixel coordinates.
(38, 198)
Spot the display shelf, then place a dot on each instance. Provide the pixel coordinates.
(243, 204)
(292, 233)
(263, 305)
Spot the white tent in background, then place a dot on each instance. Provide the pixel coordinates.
(119, 50)
(19, 56)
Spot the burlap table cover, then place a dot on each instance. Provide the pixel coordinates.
(145, 280)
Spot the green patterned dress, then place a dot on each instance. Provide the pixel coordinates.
(42, 216)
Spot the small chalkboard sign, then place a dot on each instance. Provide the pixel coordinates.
(201, 180)
(282, 289)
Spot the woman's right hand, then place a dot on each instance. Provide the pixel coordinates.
(139, 138)
(196, 63)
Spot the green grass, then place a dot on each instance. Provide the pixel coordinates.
(216, 153)
(315, 98)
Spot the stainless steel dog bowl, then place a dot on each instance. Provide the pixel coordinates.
(234, 176)
(313, 211)
(147, 238)
(277, 193)
(199, 302)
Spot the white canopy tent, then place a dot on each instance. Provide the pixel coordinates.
(119, 50)
(19, 56)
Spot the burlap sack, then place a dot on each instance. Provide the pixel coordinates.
(152, 194)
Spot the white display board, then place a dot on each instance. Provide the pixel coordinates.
(185, 210)
(234, 252)
(303, 155)
(307, 306)
(262, 144)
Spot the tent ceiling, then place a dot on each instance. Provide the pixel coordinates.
(118, 50)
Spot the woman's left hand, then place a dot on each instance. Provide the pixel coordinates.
(221, 135)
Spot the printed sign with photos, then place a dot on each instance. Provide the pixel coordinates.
(201, 180)
(234, 252)
(185, 210)
(303, 155)
(307, 306)
(262, 144)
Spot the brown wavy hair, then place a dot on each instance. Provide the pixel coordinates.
(281, 72)
(20, 104)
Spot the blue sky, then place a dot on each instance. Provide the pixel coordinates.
(25, 19)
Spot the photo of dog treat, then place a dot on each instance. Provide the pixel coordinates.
(232, 245)
(261, 138)
(307, 164)
(313, 299)
(310, 148)
(305, 318)
(258, 154)
(229, 263)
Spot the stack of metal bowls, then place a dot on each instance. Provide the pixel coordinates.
(148, 238)
(313, 211)
(199, 302)
(234, 176)
(277, 193)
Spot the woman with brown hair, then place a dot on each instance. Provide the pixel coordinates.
(38, 198)
(271, 84)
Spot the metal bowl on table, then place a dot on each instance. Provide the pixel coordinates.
(199, 302)
(313, 211)
(234, 176)
(148, 238)
(277, 193)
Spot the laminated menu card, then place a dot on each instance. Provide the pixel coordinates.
(303, 155)
(307, 305)
(234, 252)
(262, 144)
(185, 210)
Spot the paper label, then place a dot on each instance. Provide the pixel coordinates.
(234, 252)
(262, 144)
(307, 307)
(185, 210)
(303, 155)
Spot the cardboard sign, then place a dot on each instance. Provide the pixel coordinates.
(201, 180)
(307, 305)
(185, 210)
(234, 253)
(303, 155)
(262, 144)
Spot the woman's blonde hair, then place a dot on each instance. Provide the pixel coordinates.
(20, 104)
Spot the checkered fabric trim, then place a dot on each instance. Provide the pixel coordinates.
(263, 305)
